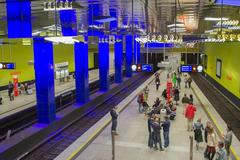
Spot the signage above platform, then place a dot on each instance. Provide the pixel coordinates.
(191, 68)
(142, 67)
(5, 65)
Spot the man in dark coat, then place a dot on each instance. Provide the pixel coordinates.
(156, 134)
(114, 116)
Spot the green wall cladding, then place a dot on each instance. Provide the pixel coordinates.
(229, 54)
(22, 54)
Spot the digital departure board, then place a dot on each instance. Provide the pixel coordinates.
(191, 68)
(5, 65)
(142, 68)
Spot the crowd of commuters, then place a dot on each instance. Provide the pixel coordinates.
(164, 110)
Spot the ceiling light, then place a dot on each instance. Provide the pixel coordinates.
(175, 25)
(215, 19)
(65, 40)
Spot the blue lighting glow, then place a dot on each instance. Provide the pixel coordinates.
(228, 2)
(186, 68)
(19, 18)
(158, 45)
(68, 22)
(118, 50)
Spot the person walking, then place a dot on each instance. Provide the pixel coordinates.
(191, 98)
(179, 81)
(156, 134)
(211, 144)
(146, 92)
(185, 101)
(176, 95)
(157, 82)
(228, 139)
(1, 99)
(197, 128)
(10, 90)
(174, 80)
(221, 153)
(166, 128)
(189, 114)
(140, 101)
(189, 81)
(114, 116)
(185, 80)
(206, 132)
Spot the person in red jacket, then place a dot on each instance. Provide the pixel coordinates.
(189, 114)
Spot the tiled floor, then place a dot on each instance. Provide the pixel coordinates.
(25, 101)
(131, 144)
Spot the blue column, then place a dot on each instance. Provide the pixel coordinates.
(138, 52)
(81, 72)
(103, 58)
(44, 79)
(129, 55)
(118, 50)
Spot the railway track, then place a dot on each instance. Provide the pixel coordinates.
(229, 113)
(54, 146)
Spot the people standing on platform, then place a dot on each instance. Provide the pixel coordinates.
(174, 80)
(150, 131)
(166, 128)
(164, 94)
(189, 81)
(157, 82)
(176, 95)
(206, 132)
(185, 80)
(1, 99)
(221, 153)
(185, 101)
(179, 81)
(114, 116)
(191, 98)
(10, 90)
(157, 134)
(140, 101)
(146, 92)
(211, 144)
(228, 139)
(189, 114)
(197, 128)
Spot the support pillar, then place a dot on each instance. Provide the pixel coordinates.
(44, 79)
(81, 72)
(129, 55)
(103, 58)
(118, 50)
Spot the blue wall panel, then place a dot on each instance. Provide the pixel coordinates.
(44, 79)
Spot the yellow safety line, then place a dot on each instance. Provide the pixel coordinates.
(97, 132)
(216, 124)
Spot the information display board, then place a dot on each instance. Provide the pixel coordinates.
(6, 65)
(142, 67)
(191, 68)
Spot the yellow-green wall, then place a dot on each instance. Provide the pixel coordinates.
(21, 55)
(229, 53)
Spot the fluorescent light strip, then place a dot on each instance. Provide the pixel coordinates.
(215, 19)
(177, 25)
(65, 40)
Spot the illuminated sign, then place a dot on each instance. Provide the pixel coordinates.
(60, 5)
(191, 68)
(142, 68)
(4, 65)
